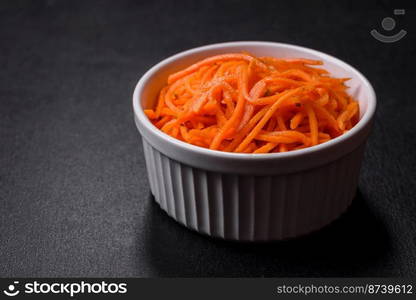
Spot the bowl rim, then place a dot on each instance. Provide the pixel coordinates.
(144, 121)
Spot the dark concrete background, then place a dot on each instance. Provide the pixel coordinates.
(74, 197)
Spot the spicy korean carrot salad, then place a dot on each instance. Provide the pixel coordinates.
(241, 103)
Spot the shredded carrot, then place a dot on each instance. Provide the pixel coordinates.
(237, 102)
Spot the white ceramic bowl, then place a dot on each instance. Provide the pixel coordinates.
(253, 197)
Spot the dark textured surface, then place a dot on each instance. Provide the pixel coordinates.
(74, 197)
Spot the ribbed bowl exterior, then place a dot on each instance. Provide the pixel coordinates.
(253, 208)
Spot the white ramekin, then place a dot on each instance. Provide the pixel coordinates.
(253, 197)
